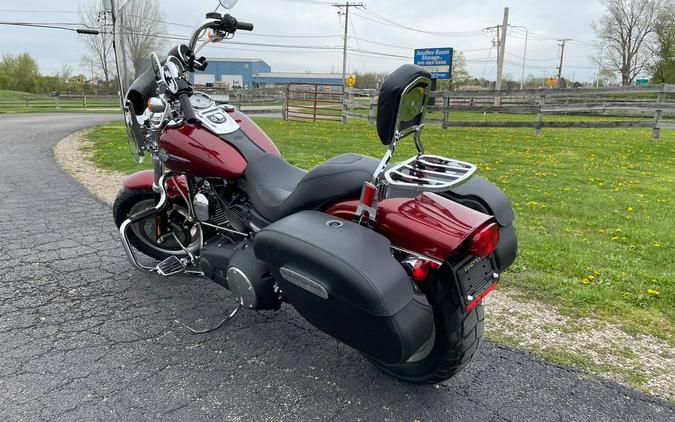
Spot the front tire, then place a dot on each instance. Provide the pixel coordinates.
(457, 336)
(141, 234)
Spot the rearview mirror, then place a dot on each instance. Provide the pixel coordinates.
(228, 4)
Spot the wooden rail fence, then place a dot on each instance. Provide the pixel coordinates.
(625, 107)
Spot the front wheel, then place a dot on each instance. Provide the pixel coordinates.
(142, 234)
(456, 339)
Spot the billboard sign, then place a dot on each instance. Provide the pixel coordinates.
(437, 61)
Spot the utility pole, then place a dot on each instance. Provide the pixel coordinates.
(346, 7)
(562, 54)
(502, 48)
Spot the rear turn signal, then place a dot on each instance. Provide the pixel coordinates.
(368, 194)
(484, 240)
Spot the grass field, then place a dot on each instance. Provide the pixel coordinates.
(595, 208)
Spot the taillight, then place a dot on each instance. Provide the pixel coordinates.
(420, 270)
(484, 240)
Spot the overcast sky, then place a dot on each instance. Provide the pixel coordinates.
(462, 21)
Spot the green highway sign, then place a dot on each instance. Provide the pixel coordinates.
(642, 82)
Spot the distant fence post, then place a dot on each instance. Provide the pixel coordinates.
(446, 113)
(84, 102)
(26, 99)
(540, 115)
(660, 99)
(345, 98)
(284, 110)
(316, 98)
(371, 108)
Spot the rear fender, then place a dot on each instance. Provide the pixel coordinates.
(145, 178)
(427, 224)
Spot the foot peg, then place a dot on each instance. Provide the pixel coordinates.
(171, 266)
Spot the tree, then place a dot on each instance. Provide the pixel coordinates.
(19, 73)
(459, 74)
(625, 34)
(99, 47)
(663, 68)
(141, 25)
(607, 77)
(366, 80)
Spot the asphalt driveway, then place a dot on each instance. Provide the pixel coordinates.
(83, 336)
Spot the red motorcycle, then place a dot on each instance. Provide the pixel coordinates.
(390, 259)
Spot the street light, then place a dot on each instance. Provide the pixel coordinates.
(522, 74)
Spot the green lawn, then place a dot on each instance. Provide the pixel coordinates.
(594, 207)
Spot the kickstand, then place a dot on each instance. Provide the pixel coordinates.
(208, 330)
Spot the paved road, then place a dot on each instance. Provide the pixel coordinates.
(84, 336)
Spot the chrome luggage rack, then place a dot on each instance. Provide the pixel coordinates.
(429, 173)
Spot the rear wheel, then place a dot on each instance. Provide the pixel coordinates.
(142, 234)
(457, 336)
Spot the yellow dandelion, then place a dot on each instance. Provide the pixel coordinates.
(653, 292)
(615, 237)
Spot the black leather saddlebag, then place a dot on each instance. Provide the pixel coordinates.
(342, 278)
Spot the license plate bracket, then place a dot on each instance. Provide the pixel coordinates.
(475, 275)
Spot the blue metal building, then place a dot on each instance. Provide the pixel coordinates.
(254, 73)
(232, 73)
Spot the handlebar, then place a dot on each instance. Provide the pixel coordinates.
(244, 26)
(214, 21)
(186, 105)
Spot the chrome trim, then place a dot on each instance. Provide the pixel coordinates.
(139, 216)
(411, 174)
(225, 229)
(205, 24)
(417, 255)
(303, 282)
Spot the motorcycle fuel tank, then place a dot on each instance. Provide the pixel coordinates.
(193, 149)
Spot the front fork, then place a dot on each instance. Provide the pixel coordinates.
(160, 218)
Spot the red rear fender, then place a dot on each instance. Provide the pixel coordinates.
(428, 224)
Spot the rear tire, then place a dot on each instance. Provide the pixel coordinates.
(458, 335)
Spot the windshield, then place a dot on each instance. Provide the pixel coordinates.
(139, 30)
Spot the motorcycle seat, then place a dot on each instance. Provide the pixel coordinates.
(277, 188)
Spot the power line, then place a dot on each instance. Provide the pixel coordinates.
(346, 7)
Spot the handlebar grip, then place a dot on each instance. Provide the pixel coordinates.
(244, 26)
(186, 105)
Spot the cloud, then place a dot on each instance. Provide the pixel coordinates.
(276, 20)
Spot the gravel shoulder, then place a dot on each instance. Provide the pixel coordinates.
(639, 361)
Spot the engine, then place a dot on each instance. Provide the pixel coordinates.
(234, 266)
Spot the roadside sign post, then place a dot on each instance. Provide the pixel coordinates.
(550, 82)
(437, 61)
(641, 82)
